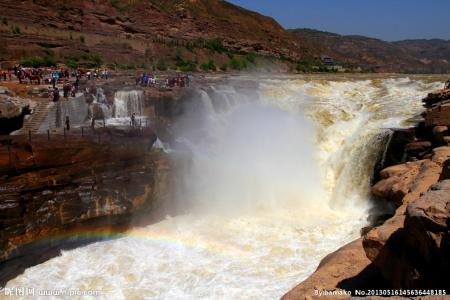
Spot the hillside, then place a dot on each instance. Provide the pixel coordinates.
(141, 32)
(411, 56)
(191, 35)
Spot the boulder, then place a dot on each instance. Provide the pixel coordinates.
(418, 149)
(397, 181)
(436, 97)
(439, 133)
(445, 171)
(413, 178)
(417, 255)
(438, 115)
(11, 107)
(446, 140)
(334, 274)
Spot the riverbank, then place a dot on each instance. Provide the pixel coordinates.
(410, 249)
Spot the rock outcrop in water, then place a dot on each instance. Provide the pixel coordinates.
(51, 188)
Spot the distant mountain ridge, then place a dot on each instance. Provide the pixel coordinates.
(408, 56)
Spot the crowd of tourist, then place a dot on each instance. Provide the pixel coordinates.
(70, 79)
(51, 75)
(148, 80)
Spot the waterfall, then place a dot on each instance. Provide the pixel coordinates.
(207, 103)
(128, 102)
(274, 184)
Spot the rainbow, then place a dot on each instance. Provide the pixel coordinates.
(162, 237)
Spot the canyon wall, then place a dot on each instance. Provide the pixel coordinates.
(60, 187)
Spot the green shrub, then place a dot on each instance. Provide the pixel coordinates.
(215, 45)
(189, 66)
(200, 42)
(190, 46)
(212, 65)
(130, 66)
(251, 57)
(82, 39)
(15, 29)
(238, 64)
(224, 67)
(208, 66)
(44, 61)
(204, 67)
(161, 65)
(235, 64)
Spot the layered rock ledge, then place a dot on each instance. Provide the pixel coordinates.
(57, 187)
(410, 250)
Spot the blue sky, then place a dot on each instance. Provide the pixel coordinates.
(385, 19)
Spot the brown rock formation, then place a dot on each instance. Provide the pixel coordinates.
(436, 98)
(335, 274)
(403, 184)
(51, 188)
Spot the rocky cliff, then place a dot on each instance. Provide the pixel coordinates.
(57, 187)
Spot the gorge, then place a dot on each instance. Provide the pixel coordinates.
(277, 175)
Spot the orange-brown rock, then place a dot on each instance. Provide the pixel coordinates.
(416, 255)
(440, 134)
(397, 181)
(334, 274)
(403, 184)
(438, 115)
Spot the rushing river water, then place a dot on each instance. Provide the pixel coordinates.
(276, 183)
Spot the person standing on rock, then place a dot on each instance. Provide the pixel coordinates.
(73, 91)
(67, 123)
(447, 85)
(55, 94)
(66, 90)
(133, 119)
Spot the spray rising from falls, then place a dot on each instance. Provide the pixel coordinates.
(279, 178)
